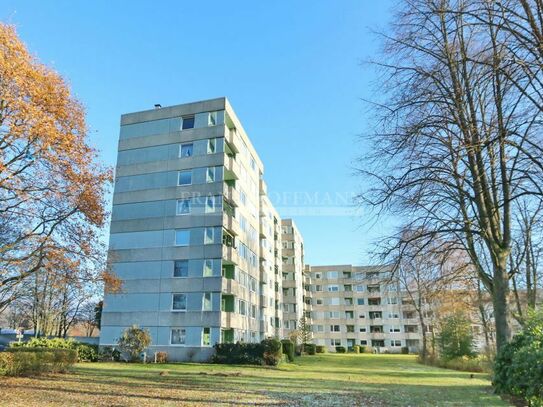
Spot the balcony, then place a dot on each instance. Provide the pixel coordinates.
(230, 255)
(231, 224)
(231, 136)
(231, 168)
(231, 195)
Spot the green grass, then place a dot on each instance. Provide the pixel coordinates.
(327, 380)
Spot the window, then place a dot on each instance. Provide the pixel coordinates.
(319, 301)
(183, 206)
(334, 328)
(395, 343)
(184, 178)
(319, 328)
(212, 119)
(208, 268)
(207, 303)
(360, 301)
(347, 287)
(242, 307)
(211, 145)
(181, 268)
(318, 287)
(210, 174)
(182, 237)
(177, 336)
(350, 328)
(393, 315)
(188, 122)
(334, 301)
(348, 301)
(253, 311)
(179, 302)
(206, 337)
(362, 329)
(333, 314)
(394, 329)
(363, 342)
(186, 150)
(392, 300)
(209, 236)
(359, 288)
(349, 314)
(333, 288)
(335, 342)
(318, 275)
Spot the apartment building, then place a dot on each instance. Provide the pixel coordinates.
(361, 306)
(293, 276)
(194, 237)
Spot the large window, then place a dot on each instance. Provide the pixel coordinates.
(210, 174)
(208, 268)
(184, 178)
(179, 302)
(182, 237)
(178, 336)
(333, 288)
(181, 268)
(183, 206)
(209, 236)
(206, 337)
(188, 122)
(186, 150)
(334, 328)
(207, 302)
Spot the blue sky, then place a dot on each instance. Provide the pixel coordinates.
(291, 69)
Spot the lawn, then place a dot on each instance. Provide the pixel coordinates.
(326, 380)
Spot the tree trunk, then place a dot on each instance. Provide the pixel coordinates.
(501, 304)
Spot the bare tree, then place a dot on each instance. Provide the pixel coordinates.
(456, 143)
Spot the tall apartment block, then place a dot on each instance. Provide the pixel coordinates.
(361, 306)
(293, 276)
(194, 237)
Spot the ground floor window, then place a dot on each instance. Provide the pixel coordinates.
(206, 337)
(178, 336)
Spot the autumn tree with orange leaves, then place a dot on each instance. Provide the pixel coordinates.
(51, 185)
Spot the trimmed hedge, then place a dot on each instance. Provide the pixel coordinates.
(288, 349)
(310, 348)
(362, 349)
(320, 349)
(85, 352)
(268, 352)
(21, 361)
(340, 349)
(109, 354)
(405, 350)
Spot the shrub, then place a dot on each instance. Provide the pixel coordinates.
(310, 348)
(134, 341)
(288, 349)
(109, 354)
(272, 351)
(238, 353)
(87, 352)
(320, 349)
(23, 361)
(356, 349)
(340, 349)
(362, 349)
(405, 350)
(518, 365)
(161, 357)
(298, 350)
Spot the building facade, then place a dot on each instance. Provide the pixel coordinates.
(361, 306)
(194, 238)
(293, 276)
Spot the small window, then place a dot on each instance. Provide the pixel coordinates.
(188, 122)
(183, 206)
(360, 301)
(208, 268)
(212, 119)
(210, 204)
(209, 236)
(210, 174)
(207, 303)
(206, 337)
(211, 145)
(182, 237)
(178, 336)
(179, 302)
(185, 178)
(185, 150)
(181, 268)
(334, 328)
(396, 343)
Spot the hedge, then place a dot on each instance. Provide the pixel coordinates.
(85, 352)
(288, 349)
(21, 361)
(273, 351)
(268, 352)
(320, 349)
(310, 348)
(340, 349)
